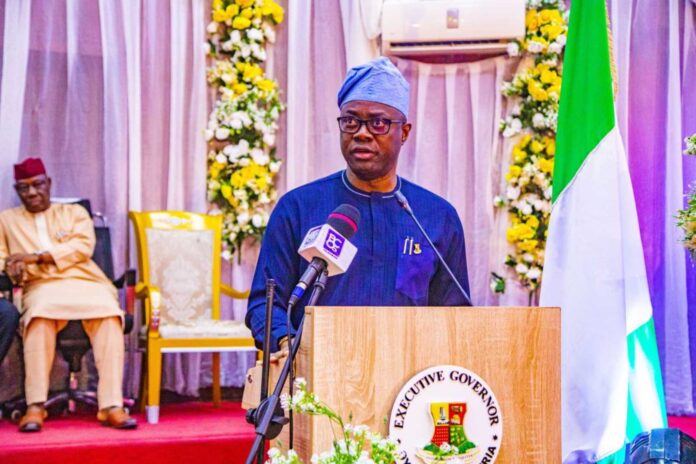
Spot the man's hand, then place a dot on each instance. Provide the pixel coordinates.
(276, 357)
(16, 265)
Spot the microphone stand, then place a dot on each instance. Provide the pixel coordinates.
(269, 417)
(403, 202)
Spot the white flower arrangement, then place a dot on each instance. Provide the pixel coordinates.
(242, 126)
(686, 218)
(535, 92)
(353, 444)
(690, 145)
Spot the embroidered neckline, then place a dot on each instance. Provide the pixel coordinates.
(348, 186)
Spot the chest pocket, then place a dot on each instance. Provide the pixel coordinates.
(417, 264)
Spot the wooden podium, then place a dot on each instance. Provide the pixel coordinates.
(356, 359)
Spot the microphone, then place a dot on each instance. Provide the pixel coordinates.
(327, 248)
(403, 202)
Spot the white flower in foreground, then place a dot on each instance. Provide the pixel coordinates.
(561, 39)
(535, 47)
(257, 220)
(254, 34)
(243, 218)
(220, 158)
(269, 139)
(555, 47)
(528, 257)
(300, 382)
(269, 33)
(226, 255)
(236, 36)
(513, 49)
(209, 134)
(521, 269)
(222, 133)
(539, 121)
(534, 273)
(236, 124)
(498, 201)
(513, 193)
(212, 27)
(525, 208)
(227, 45)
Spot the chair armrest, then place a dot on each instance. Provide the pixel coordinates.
(153, 298)
(126, 280)
(6, 284)
(127, 283)
(231, 292)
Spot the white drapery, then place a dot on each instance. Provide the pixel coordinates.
(113, 97)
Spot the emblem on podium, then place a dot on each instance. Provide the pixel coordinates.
(446, 414)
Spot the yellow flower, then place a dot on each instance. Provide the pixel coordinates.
(532, 221)
(540, 95)
(232, 10)
(239, 88)
(524, 141)
(531, 21)
(551, 147)
(241, 66)
(226, 191)
(220, 16)
(244, 3)
(261, 182)
(278, 13)
(267, 7)
(241, 22)
(519, 232)
(554, 89)
(548, 77)
(537, 146)
(251, 72)
(546, 165)
(248, 13)
(518, 155)
(528, 245)
(217, 4)
(215, 169)
(266, 85)
(545, 16)
(552, 31)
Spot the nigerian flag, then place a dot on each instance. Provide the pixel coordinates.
(594, 269)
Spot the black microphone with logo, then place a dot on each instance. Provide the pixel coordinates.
(403, 202)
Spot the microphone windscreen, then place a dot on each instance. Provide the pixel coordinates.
(345, 220)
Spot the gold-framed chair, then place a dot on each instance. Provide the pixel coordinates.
(179, 270)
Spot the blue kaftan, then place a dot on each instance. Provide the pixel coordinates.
(394, 265)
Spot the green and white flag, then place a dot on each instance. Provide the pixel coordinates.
(594, 268)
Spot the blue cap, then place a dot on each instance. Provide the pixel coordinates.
(376, 81)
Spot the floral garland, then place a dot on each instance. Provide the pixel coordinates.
(535, 90)
(686, 218)
(242, 126)
(354, 444)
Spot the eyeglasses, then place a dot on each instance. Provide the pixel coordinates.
(376, 126)
(25, 187)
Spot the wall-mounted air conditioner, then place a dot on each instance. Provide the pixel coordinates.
(437, 27)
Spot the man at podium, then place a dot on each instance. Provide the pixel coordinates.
(394, 264)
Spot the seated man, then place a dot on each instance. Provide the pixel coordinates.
(46, 248)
